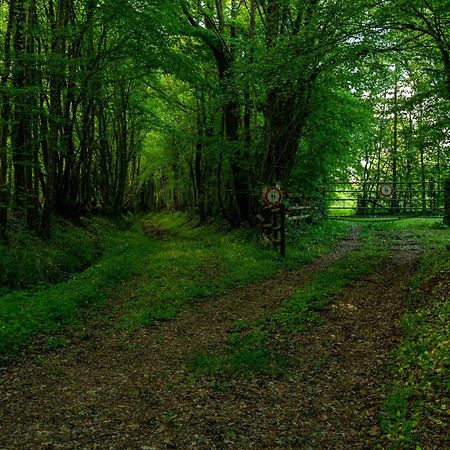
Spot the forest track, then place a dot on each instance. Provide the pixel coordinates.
(100, 393)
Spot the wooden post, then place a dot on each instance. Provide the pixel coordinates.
(447, 202)
(275, 224)
(282, 230)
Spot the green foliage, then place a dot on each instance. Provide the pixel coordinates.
(243, 359)
(247, 353)
(295, 314)
(55, 342)
(339, 126)
(417, 411)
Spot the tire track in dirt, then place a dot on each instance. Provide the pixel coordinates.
(329, 400)
(100, 393)
(97, 394)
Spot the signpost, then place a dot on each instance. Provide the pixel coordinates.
(276, 223)
(387, 190)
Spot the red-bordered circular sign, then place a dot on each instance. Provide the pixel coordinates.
(387, 190)
(273, 196)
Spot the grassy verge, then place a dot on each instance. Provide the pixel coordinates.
(255, 348)
(176, 266)
(28, 262)
(25, 314)
(416, 414)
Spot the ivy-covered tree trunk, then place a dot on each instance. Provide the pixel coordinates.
(287, 104)
(239, 210)
(231, 117)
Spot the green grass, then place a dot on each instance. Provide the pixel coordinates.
(27, 261)
(341, 200)
(302, 307)
(416, 414)
(255, 348)
(183, 264)
(202, 262)
(25, 314)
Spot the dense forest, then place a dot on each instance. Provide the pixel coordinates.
(154, 153)
(197, 105)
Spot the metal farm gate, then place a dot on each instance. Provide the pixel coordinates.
(352, 200)
(388, 199)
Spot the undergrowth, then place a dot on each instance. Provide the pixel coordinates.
(27, 261)
(25, 314)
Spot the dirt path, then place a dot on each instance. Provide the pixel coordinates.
(105, 392)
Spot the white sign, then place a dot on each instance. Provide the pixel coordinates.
(273, 196)
(387, 190)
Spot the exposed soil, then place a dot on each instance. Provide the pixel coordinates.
(134, 391)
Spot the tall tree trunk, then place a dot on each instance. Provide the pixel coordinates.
(56, 83)
(200, 176)
(394, 152)
(285, 117)
(21, 128)
(247, 96)
(86, 153)
(240, 153)
(32, 167)
(380, 148)
(423, 176)
(447, 202)
(439, 178)
(122, 144)
(224, 57)
(104, 159)
(4, 129)
(287, 105)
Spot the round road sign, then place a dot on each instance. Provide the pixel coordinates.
(273, 196)
(387, 190)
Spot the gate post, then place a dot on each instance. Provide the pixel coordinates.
(447, 202)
